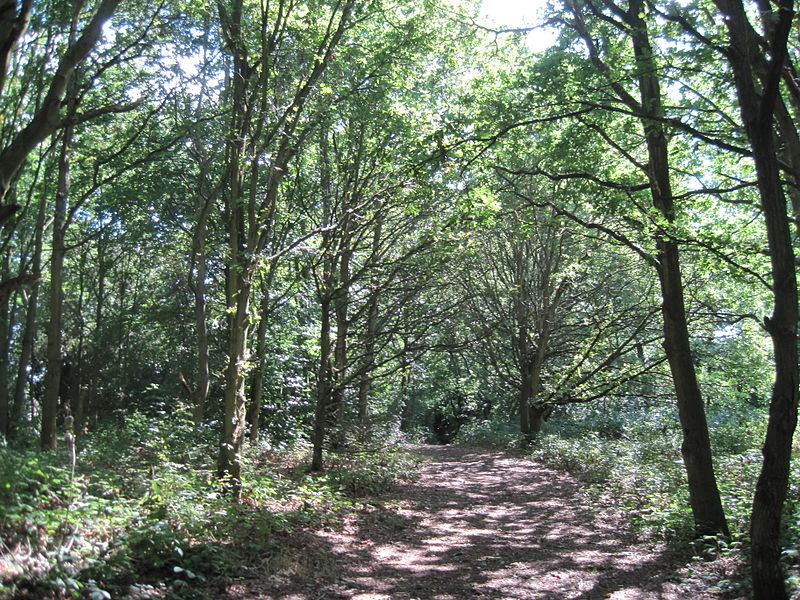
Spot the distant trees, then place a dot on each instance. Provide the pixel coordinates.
(558, 316)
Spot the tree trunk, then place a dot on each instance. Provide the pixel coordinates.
(341, 302)
(205, 199)
(407, 406)
(229, 466)
(524, 360)
(47, 119)
(323, 386)
(704, 497)
(364, 387)
(52, 382)
(13, 25)
(238, 273)
(78, 409)
(201, 322)
(5, 351)
(370, 332)
(524, 403)
(257, 385)
(537, 417)
(29, 330)
(96, 363)
(757, 108)
(250, 212)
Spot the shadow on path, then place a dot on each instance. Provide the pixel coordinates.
(483, 525)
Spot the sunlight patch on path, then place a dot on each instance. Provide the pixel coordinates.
(482, 525)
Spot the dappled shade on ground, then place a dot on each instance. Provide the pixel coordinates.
(477, 524)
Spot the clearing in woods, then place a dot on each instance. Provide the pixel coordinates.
(477, 524)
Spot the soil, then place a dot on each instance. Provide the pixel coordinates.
(482, 525)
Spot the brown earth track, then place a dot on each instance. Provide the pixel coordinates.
(477, 524)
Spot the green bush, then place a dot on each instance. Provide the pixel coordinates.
(370, 474)
(489, 434)
(145, 509)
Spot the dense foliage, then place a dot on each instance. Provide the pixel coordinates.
(239, 237)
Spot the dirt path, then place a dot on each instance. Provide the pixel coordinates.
(482, 525)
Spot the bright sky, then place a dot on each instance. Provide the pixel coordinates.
(519, 13)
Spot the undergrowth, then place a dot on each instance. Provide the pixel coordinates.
(145, 514)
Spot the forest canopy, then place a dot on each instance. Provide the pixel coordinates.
(338, 226)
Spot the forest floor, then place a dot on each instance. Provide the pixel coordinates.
(478, 524)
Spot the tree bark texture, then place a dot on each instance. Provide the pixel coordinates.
(14, 22)
(406, 403)
(257, 385)
(704, 497)
(229, 464)
(341, 301)
(370, 332)
(200, 318)
(251, 196)
(5, 352)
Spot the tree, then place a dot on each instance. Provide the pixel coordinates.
(47, 117)
(757, 90)
(268, 124)
(596, 25)
(548, 326)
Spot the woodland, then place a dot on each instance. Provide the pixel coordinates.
(251, 250)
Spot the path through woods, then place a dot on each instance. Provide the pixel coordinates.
(477, 524)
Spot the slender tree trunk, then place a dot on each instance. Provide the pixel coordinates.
(239, 273)
(52, 382)
(523, 347)
(524, 404)
(704, 497)
(14, 23)
(260, 360)
(341, 301)
(78, 411)
(368, 362)
(791, 142)
(533, 345)
(201, 322)
(198, 265)
(757, 108)
(323, 386)
(5, 352)
(407, 407)
(364, 387)
(371, 330)
(696, 447)
(96, 365)
(29, 328)
(250, 212)
(229, 466)
(257, 385)
(126, 291)
(47, 120)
